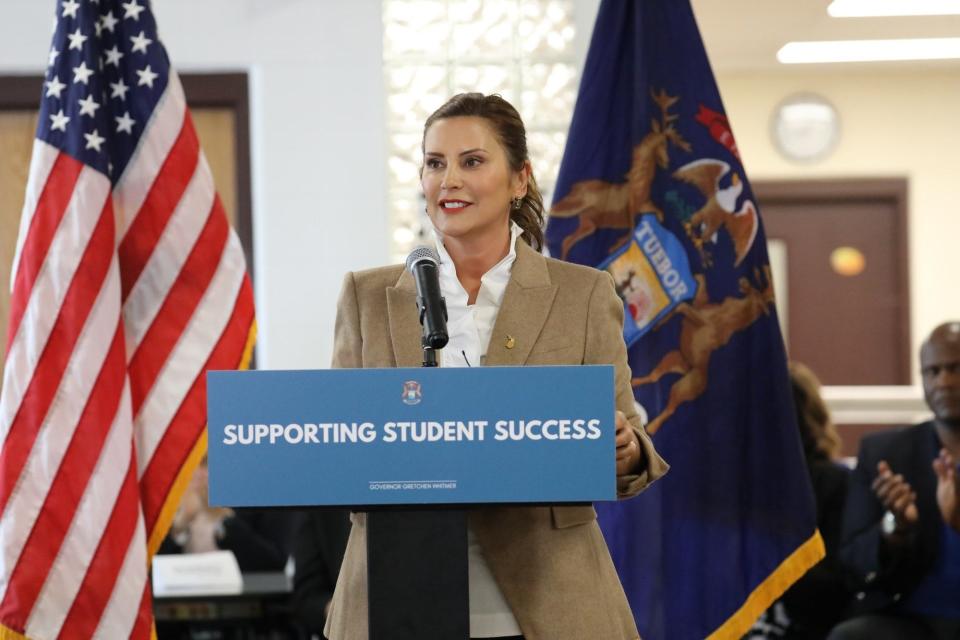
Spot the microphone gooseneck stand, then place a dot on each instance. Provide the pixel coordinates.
(429, 355)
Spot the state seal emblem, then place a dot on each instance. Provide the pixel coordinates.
(411, 392)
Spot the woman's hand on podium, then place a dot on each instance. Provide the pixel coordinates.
(629, 453)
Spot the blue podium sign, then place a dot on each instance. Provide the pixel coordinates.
(411, 436)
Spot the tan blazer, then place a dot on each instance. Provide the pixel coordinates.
(551, 563)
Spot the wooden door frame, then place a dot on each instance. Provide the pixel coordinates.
(211, 90)
(887, 190)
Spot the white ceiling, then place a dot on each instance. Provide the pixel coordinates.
(745, 35)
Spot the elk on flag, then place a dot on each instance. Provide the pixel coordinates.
(652, 189)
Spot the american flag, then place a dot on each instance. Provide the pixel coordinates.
(128, 284)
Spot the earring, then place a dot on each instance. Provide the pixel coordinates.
(516, 203)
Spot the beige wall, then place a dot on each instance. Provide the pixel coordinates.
(892, 125)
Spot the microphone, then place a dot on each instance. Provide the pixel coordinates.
(423, 264)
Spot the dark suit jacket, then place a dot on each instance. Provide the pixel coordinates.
(887, 575)
(551, 563)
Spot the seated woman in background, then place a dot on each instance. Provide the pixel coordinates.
(260, 540)
(815, 602)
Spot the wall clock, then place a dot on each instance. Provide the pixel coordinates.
(805, 127)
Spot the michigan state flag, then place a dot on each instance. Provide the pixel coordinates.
(653, 190)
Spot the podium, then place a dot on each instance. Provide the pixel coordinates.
(417, 574)
(415, 449)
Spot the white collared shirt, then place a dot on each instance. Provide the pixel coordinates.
(469, 328)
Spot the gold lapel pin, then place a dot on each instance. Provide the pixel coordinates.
(510, 343)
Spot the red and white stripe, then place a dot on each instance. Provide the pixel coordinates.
(121, 300)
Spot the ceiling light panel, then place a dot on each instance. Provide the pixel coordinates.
(883, 8)
(826, 51)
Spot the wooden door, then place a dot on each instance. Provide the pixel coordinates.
(845, 250)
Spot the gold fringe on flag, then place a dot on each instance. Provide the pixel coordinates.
(767, 592)
(170, 505)
(6, 633)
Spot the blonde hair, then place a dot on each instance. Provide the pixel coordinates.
(817, 432)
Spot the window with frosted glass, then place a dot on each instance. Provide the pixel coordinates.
(433, 49)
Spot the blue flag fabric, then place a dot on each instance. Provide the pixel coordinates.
(652, 189)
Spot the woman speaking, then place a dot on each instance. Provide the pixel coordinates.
(534, 572)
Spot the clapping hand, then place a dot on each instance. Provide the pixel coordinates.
(897, 496)
(948, 488)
